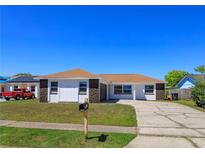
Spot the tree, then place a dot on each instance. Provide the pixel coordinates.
(174, 76)
(200, 69)
(23, 74)
(198, 93)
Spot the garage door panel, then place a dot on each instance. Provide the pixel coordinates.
(69, 90)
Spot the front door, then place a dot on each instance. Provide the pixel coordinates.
(139, 92)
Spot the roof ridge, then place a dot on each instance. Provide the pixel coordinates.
(121, 74)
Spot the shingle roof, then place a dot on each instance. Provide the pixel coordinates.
(74, 73)
(130, 78)
(3, 79)
(196, 76)
(22, 79)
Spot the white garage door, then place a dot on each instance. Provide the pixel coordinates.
(68, 90)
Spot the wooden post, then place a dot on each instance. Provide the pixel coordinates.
(85, 114)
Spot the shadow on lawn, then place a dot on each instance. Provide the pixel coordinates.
(101, 138)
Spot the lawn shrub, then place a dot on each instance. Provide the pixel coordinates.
(198, 93)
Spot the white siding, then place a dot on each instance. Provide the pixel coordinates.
(10, 88)
(54, 98)
(140, 92)
(68, 91)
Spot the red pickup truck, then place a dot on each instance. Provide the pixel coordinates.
(18, 94)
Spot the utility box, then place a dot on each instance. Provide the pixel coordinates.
(174, 96)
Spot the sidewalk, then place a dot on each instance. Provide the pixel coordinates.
(64, 126)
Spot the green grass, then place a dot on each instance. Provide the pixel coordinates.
(43, 138)
(190, 103)
(99, 113)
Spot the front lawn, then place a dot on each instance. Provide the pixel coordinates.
(99, 113)
(44, 138)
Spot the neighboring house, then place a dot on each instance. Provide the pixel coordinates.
(3, 81)
(24, 82)
(77, 85)
(189, 81)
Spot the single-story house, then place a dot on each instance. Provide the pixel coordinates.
(189, 81)
(28, 82)
(77, 85)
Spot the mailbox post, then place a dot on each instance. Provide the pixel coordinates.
(84, 108)
(85, 114)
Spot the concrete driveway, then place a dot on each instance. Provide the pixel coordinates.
(167, 125)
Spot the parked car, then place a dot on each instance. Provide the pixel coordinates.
(18, 94)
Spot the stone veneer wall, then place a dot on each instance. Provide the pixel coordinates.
(94, 91)
(160, 91)
(43, 90)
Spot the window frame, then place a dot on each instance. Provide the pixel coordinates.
(16, 86)
(122, 89)
(119, 89)
(127, 89)
(83, 87)
(33, 86)
(54, 87)
(146, 90)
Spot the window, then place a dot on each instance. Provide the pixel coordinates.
(122, 89)
(15, 87)
(127, 89)
(118, 89)
(83, 88)
(33, 88)
(149, 89)
(54, 87)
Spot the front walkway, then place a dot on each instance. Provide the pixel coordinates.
(64, 126)
(167, 125)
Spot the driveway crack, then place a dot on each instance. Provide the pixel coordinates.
(180, 124)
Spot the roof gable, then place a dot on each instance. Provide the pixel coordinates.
(184, 81)
(191, 78)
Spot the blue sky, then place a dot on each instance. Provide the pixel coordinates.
(150, 40)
